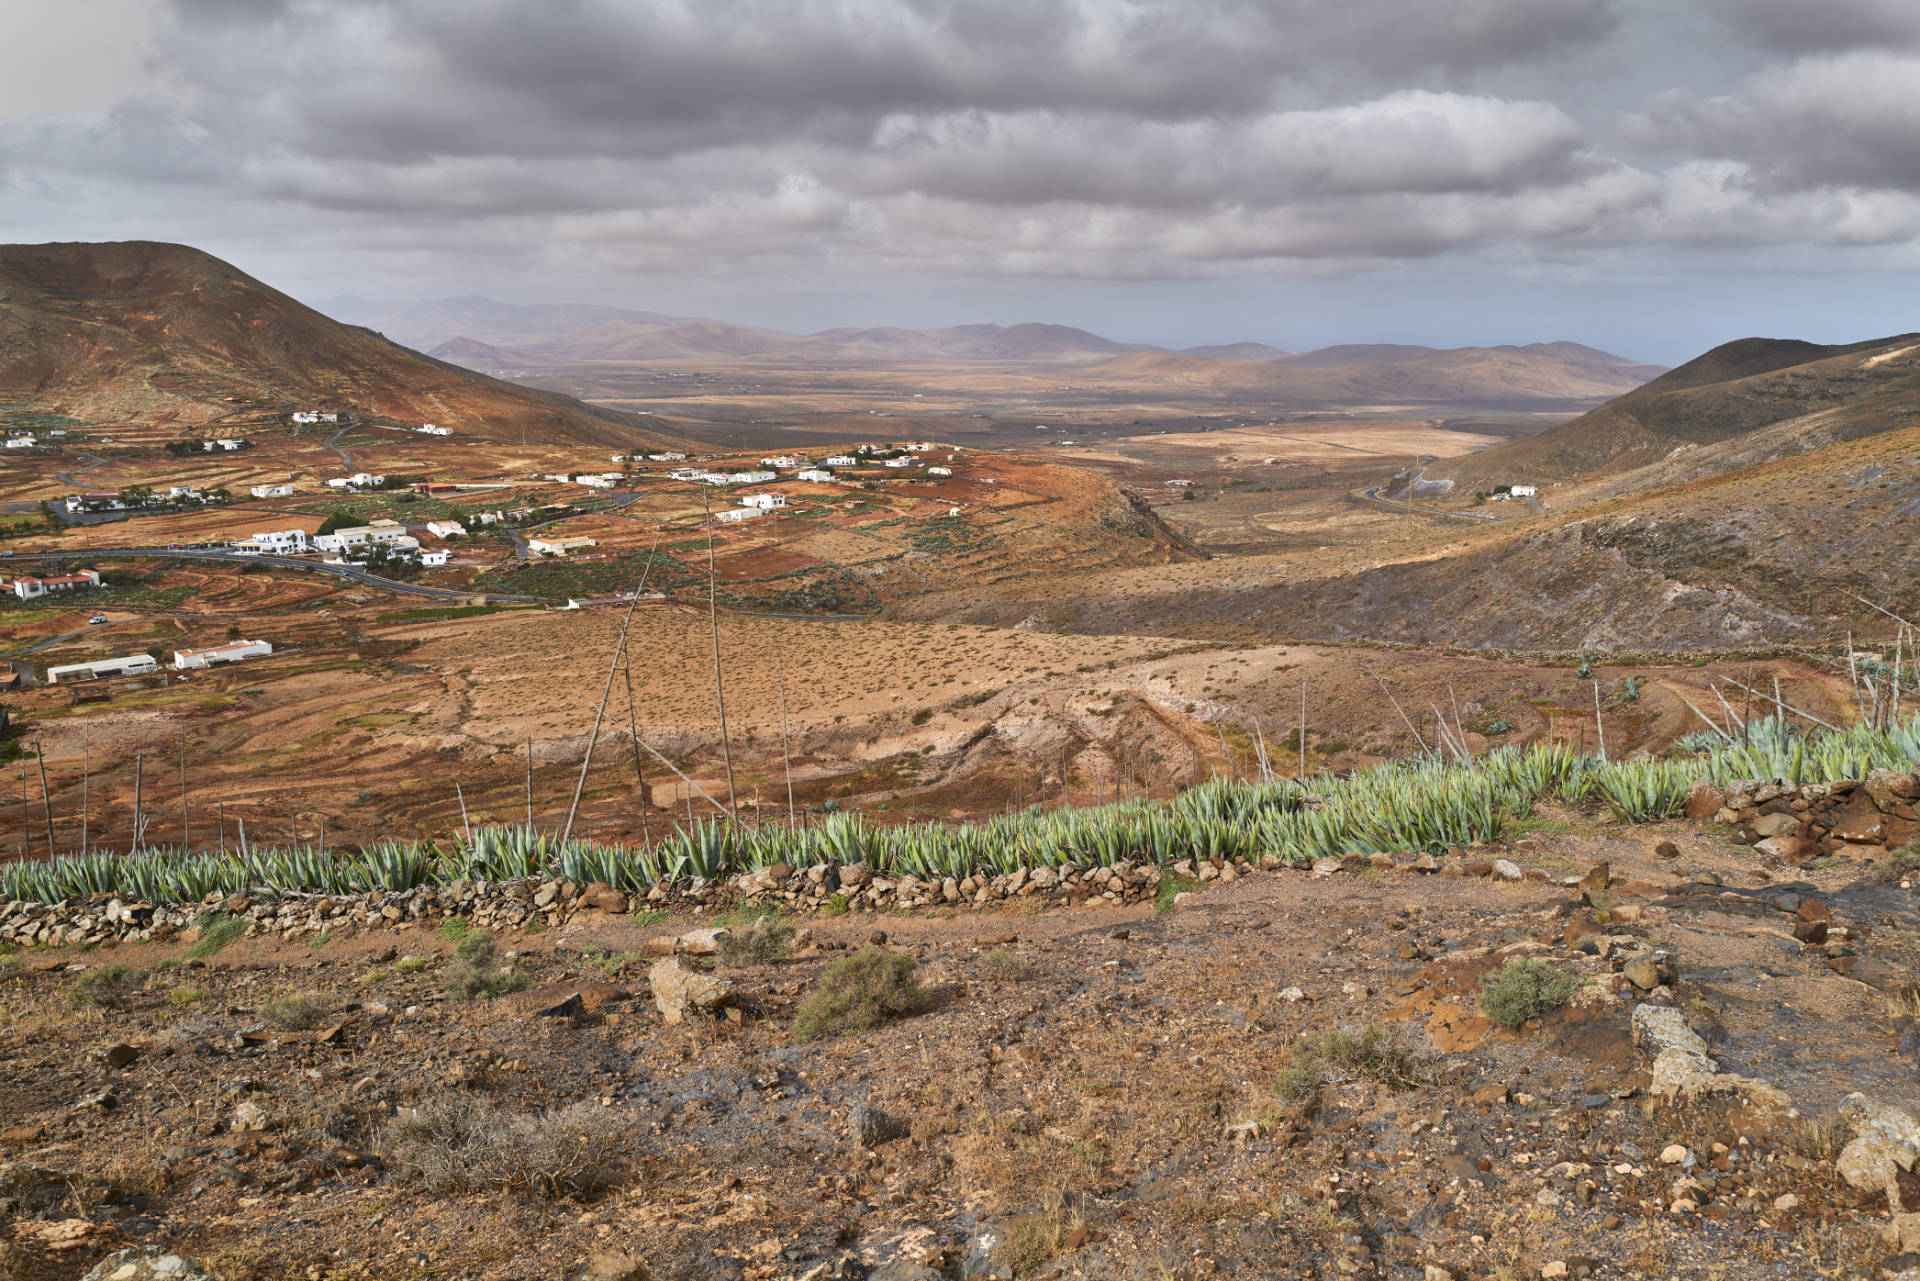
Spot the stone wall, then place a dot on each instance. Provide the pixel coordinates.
(1796, 823)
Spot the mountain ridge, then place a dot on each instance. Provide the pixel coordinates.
(148, 331)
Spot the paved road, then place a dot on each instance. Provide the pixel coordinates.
(350, 572)
(1373, 496)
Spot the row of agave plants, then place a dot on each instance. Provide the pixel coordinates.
(1424, 804)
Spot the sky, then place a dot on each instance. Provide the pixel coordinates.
(1648, 176)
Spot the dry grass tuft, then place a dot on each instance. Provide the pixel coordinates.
(463, 1144)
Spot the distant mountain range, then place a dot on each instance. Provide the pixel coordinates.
(505, 338)
(140, 331)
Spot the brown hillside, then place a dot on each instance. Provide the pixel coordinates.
(157, 333)
(1737, 405)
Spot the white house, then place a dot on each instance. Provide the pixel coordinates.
(597, 482)
(1524, 491)
(688, 473)
(765, 502)
(814, 474)
(446, 528)
(488, 518)
(902, 462)
(305, 416)
(665, 458)
(233, 652)
(271, 491)
(390, 532)
(751, 477)
(558, 546)
(734, 515)
(431, 430)
(278, 542)
(939, 471)
(921, 447)
(841, 460)
(226, 446)
(131, 665)
(182, 491)
(29, 588)
(359, 480)
(435, 559)
(782, 461)
(20, 442)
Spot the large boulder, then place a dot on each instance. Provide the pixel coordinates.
(678, 991)
(1885, 1141)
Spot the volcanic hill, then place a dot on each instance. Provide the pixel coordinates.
(142, 332)
(1742, 403)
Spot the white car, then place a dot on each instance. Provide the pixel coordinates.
(96, 619)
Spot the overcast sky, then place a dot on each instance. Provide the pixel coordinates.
(1650, 176)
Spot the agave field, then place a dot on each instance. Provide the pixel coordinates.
(1424, 804)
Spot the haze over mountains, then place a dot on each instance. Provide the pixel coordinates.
(142, 331)
(502, 337)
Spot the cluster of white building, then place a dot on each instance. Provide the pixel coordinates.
(184, 660)
(307, 417)
(1513, 492)
(25, 440)
(428, 429)
(558, 546)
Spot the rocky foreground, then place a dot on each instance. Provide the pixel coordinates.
(1262, 1074)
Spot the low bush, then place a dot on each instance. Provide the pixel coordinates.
(767, 942)
(476, 972)
(1003, 964)
(460, 1143)
(105, 987)
(297, 1011)
(870, 989)
(1392, 1057)
(1903, 863)
(1525, 988)
(1171, 887)
(216, 931)
(187, 994)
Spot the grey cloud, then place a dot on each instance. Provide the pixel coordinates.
(1804, 26)
(1849, 120)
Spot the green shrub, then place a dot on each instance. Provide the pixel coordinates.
(1525, 988)
(767, 942)
(216, 931)
(187, 994)
(870, 989)
(836, 904)
(1003, 964)
(475, 972)
(107, 986)
(1904, 862)
(297, 1011)
(1171, 887)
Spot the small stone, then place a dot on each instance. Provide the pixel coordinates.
(249, 1117)
(146, 1263)
(871, 1127)
(1553, 1270)
(1786, 1203)
(1506, 870)
(1667, 849)
(119, 1056)
(1434, 1272)
(612, 1265)
(1674, 1154)
(1642, 971)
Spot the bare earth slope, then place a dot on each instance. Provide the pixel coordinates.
(146, 332)
(1739, 404)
